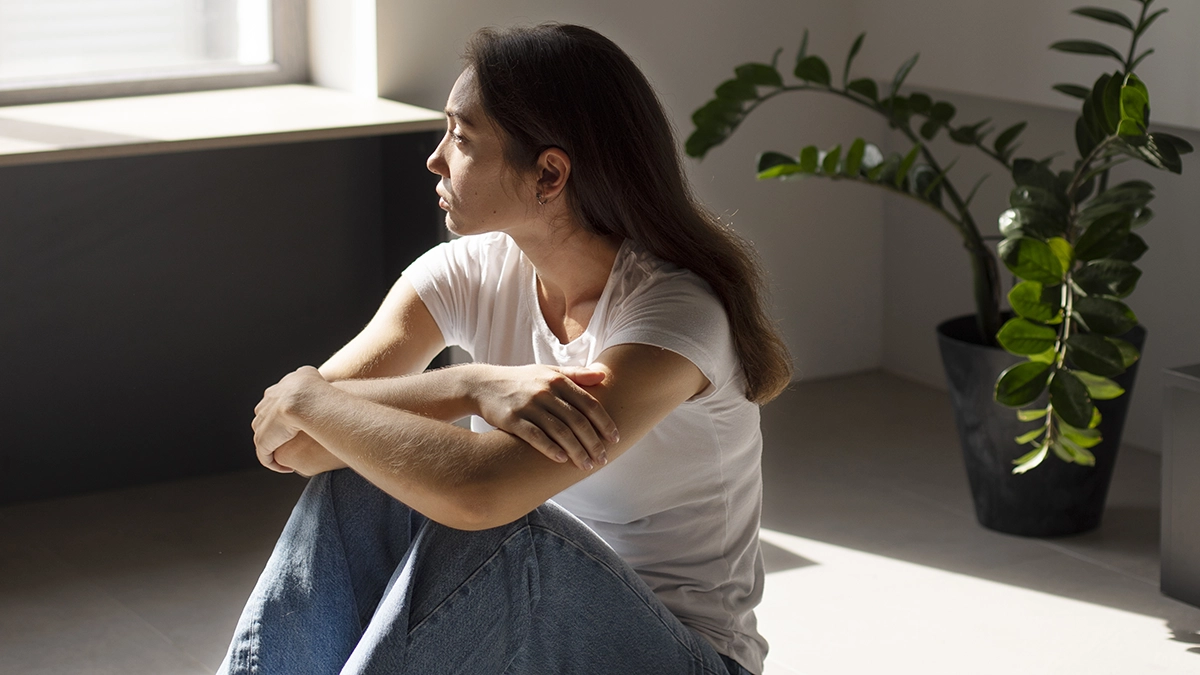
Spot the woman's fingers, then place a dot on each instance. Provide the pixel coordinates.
(579, 431)
(597, 417)
(534, 436)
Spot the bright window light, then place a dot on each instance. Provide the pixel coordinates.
(82, 40)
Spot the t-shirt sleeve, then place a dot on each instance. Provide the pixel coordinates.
(679, 312)
(447, 278)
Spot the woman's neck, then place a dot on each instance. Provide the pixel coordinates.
(572, 268)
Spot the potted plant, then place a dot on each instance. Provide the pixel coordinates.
(1067, 352)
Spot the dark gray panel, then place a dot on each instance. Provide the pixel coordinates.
(146, 302)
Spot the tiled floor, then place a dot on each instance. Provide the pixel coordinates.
(876, 563)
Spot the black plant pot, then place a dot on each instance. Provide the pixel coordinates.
(1054, 499)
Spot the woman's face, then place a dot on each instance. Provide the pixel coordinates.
(478, 190)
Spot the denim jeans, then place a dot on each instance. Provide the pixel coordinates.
(359, 583)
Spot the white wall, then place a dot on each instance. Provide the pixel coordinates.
(822, 243)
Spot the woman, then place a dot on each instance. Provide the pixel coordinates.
(621, 351)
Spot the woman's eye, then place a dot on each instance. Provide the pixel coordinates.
(457, 138)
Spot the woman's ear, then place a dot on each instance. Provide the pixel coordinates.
(554, 168)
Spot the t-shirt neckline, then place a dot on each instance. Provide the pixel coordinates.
(539, 319)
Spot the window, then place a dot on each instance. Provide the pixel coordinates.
(55, 50)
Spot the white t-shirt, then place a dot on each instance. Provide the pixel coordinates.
(682, 505)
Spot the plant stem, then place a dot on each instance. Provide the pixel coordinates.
(984, 269)
(1133, 42)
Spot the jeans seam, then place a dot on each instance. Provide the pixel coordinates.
(337, 522)
(470, 577)
(688, 648)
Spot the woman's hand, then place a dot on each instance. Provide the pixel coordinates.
(547, 407)
(306, 457)
(274, 425)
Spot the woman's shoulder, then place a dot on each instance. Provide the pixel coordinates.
(643, 274)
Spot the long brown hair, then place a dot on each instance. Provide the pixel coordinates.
(557, 85)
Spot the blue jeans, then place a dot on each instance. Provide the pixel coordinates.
(360, 583)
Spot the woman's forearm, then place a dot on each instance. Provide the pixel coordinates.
(436, 468)
(443, 394)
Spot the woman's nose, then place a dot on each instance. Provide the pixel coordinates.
(436, 163)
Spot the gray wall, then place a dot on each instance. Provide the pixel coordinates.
(148, 301)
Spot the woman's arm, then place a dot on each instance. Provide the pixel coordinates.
(455, 477)
(545, 406)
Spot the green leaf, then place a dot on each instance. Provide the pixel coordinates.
(906, 164)
(1072, 90)
(803, 51)
(701, 141)
(719, 113)
(1105, 15)
(1061, 451)
(1026, 301)
(1030, 436)
(1084, 140)
(930, 128)
(1105, 316)
(768, 160)
(1070, 399)
(1099, 388)
(850, 59)
(737, 90)
(1110, 105)
(1134, 107)
(760, 74)
(1027, 172)
(1021, 336)
(1031, 415)
(865, 87)
(1089, 47)
(1158, 153)
(872, 159)
(1181, 146)
(1079, 455)
(1048, 356)
(781, 171)
(1030, 461)
(1095, 354)
(1108, 277)
(1133, 248)
(920, 103)
(902, 73)
(809, 159)
(1084, 438)
(1103, 237)
(1025, 196)
(1129, 353)
(854, 157)
(829, 165)
(813, 69)
(1031, 259)
(1062, 250)
(1008, 136)
(1093, 108)
(1143, 216)
(927, 183)
(1096, 419)
(1021, 384)
(942, 112)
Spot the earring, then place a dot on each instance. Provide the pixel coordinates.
(540, 201)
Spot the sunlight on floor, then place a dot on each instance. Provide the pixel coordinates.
(854, 612)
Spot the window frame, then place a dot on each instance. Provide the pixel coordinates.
(289, 48)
